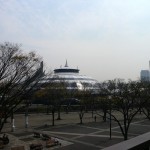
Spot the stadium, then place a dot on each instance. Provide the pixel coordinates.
(72, 78)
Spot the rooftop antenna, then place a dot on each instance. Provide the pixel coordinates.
(66, 65)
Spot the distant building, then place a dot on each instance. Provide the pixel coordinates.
(145, 75)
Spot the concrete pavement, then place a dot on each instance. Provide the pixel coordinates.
(91, 135)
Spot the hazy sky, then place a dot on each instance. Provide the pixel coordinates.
(106, 39)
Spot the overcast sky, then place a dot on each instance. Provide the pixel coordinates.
(106, 39)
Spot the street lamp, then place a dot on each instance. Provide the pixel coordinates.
(109, 97)
(26, 114)
(12, 122)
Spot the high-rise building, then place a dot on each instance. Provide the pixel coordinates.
(145, 74)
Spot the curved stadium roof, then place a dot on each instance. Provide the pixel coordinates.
(73, 79)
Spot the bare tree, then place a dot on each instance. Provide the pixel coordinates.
(125, 100)
(61, 95)
(55, 93)
(146, 106)
(19, 74)
(102, 101)
(85, 97)
(102, 104)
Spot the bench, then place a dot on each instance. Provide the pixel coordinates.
(36, 147)
(18, 148)
(37, 134)
(45, 137)
(52, 142)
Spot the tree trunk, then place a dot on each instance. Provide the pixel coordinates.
(92, 113)
(67, 109)
(53, 117)
(125, 125)
(47, 110)
(126, 136)
(80, 115)
(104, 117)
(1, 125)
(58, 118)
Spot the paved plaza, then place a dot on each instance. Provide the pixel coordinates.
(90, 135)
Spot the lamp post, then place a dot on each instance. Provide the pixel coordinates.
(26, 114)
(53, 115)
(109, 117)
(12, 122)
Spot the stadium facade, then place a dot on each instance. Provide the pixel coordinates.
(73, 79)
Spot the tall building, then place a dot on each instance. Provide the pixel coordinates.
(145, 74)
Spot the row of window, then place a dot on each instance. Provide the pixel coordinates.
(64, 79)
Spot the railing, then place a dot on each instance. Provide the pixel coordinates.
(141, 142)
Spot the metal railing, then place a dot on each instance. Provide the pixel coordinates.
(141, 142)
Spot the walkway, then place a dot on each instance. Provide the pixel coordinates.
(90, 136)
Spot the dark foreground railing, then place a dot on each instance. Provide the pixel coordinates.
(141, 142)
